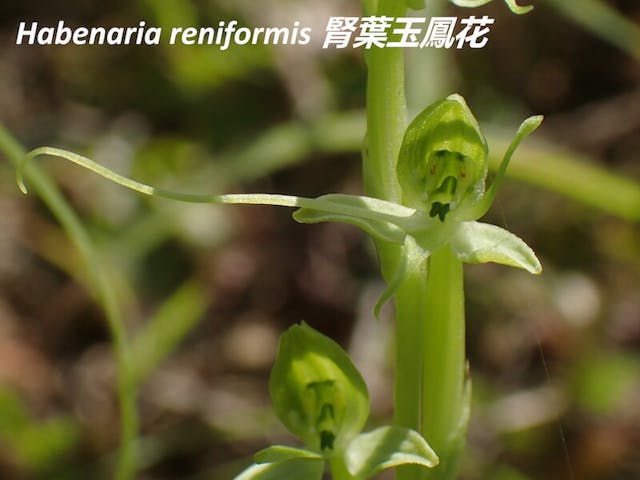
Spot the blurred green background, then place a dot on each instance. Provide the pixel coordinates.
(206, 290)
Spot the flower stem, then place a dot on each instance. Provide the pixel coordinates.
(386, 123)
(444, 399)
(429, 365)
(408, 361)
(430, 393)
(386, 113)
(339, 469)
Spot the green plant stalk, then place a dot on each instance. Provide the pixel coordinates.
(428, 388)
(339, 469)
(431, 326)
(443, 367)
(104, 294)
(410, 318)
(386, 123)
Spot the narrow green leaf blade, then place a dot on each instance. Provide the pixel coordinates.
(477, 242)
(280, 453)
(297, 469)
(167, 328)
(387, 447)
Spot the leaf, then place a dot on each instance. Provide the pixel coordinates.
(316, 391)
(280, 453)
(167, 328)
(477, 242)
(387, 447)
(297, 469)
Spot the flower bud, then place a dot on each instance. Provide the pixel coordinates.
(316, 391)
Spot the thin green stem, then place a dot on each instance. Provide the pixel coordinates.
(386, 113)
(429, 376)
(104, 294)
(444, 407)
(408, 357)
(339, 469)
(386, 123)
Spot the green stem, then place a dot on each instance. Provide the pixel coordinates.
(429, 369)
(444, 403)
(103, 292)
(408, 361)
(339, 469)
(386, 113)
(430, 394)
(386, 123)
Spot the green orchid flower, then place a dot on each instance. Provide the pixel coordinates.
(442, 169)
(320, 396)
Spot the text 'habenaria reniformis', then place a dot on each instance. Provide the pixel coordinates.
(338, 33)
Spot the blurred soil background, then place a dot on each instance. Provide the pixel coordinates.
(206, 290)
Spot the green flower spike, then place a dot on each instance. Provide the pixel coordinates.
(320, 397)
(317, 393)
(442, 169)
